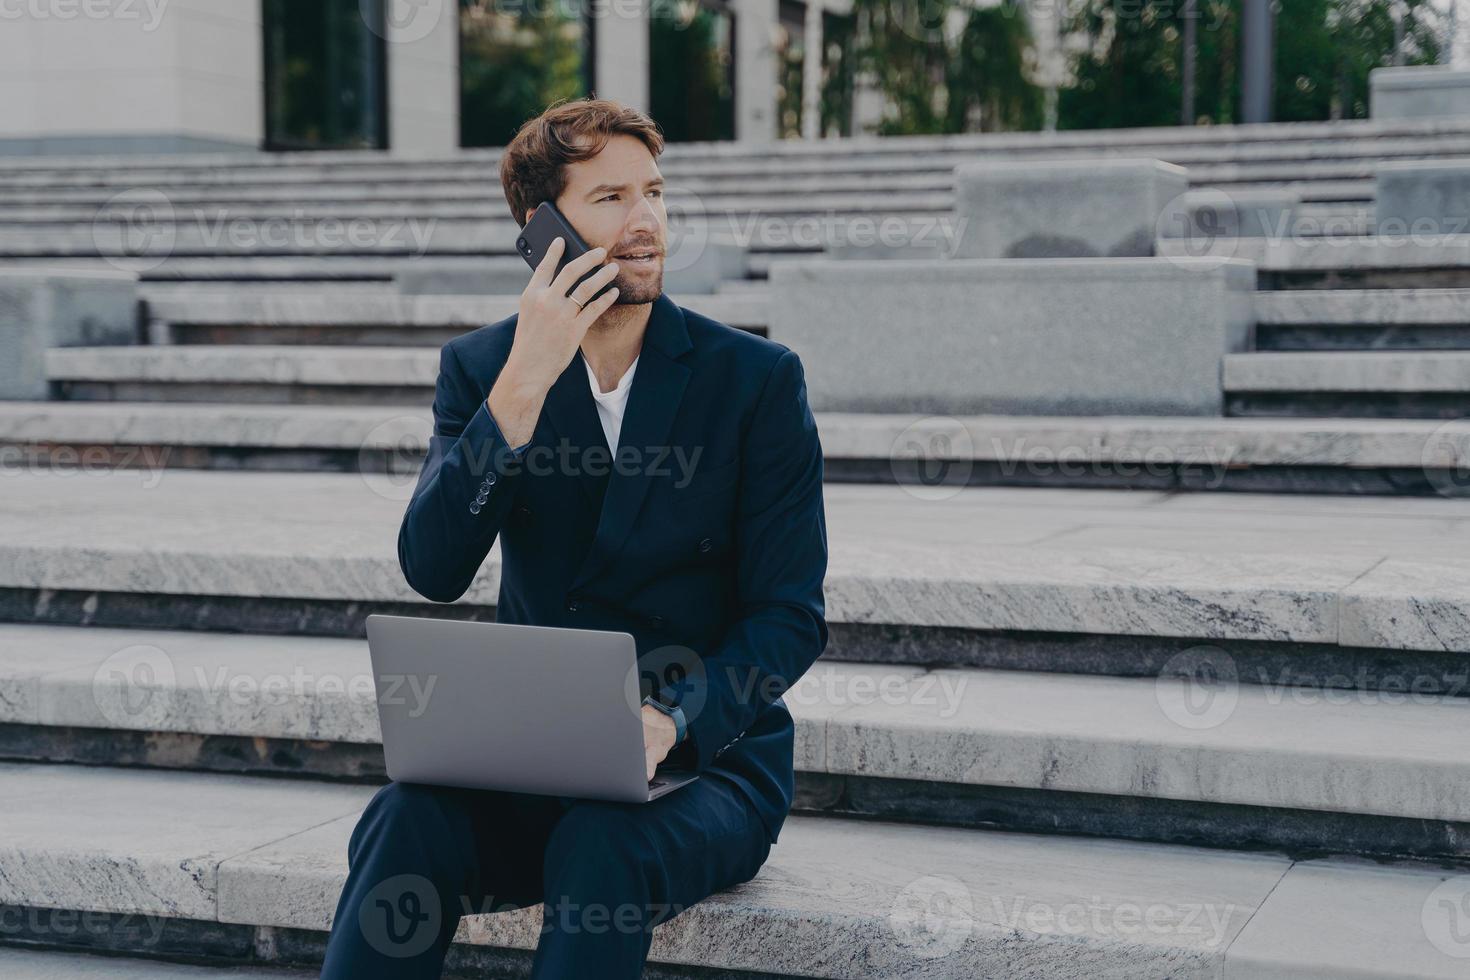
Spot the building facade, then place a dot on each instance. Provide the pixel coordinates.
(416, 76)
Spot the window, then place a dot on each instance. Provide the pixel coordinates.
(325, 75)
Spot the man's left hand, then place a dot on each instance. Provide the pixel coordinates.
(659, 732)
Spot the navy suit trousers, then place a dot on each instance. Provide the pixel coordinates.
(422, 856)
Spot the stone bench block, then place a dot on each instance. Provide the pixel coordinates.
(693, 269)
(1018, 337)
(1064, 208)
(44, 309)
(1212, 214)
(1417, 92)
(1423, 198)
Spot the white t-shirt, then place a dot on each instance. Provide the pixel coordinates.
(612, 404)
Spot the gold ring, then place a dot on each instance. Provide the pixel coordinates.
(580, 306)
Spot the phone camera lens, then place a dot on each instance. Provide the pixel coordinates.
(524, 246)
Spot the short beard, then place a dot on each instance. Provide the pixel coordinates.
(639, 291)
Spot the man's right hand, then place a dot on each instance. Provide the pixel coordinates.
(549, 329)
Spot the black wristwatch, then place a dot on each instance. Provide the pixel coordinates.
(673, 711)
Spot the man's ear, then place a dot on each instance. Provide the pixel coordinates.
(528, 216)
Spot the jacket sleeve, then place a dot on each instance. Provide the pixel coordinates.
(781, 547)
(464, 490)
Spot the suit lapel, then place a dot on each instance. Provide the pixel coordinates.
(653, 404)
(570, 410)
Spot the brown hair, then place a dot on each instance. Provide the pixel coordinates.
(533, 167)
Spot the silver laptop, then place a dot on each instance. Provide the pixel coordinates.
(533, 709)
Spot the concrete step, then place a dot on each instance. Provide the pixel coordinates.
(1356, 456)
(1305, 262)
(878, 732)
(1325, 157)
(1396, 384)
(1363, 319)
(197, 233)
(1405, 384)
(1334, 261)
(365, 317)
(18, 963)
(898, 154)
(246, 373)
(1310, 138)
(977, 577)
(235, 857)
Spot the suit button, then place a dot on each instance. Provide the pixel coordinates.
(475, 507)
(489, 479)
(571, 605)
(705, 544)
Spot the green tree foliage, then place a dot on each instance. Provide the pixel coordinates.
(940, 80)
(515, 60)
(1128, 65)
(691, 90)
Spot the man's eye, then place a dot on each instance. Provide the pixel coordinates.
(607, 198)
(657, 193)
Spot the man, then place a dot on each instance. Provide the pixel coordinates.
(645, 469)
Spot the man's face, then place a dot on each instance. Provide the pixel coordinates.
(616, 200)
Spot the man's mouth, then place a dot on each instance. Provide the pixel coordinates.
(638, 258)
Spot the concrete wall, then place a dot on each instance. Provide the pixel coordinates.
(148, 76)
(1061, 208)
(44, 308)
(1422, 197)
(1123, 336)
(423, 75)
(755, 69)
(622, 52)
(1414, 93)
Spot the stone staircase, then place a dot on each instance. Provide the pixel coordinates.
(1050, 676)
(1102, 732)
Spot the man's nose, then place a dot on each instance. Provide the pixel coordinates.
(645, 217)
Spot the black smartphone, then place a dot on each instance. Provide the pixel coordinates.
(546, 225)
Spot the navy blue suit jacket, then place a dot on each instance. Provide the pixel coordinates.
(705, 537)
